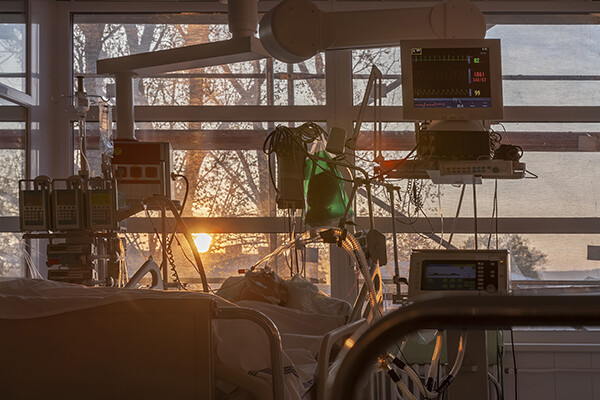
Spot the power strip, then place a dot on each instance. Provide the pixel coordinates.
(483, 168)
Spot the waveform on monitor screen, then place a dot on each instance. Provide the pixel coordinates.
(441, 58)
(445, 75)
(436, 93)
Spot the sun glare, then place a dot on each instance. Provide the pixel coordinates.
(202, 241)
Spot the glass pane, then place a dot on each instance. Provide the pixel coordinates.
(261, 82)
(229, 183)
(544, 257)
(13, 50)
(388, 61)
(533, 257)
(549, 64)
(568, 185)
(551, 93)
(299, 84)
(227, 255)
(12, 168)
(10, 255)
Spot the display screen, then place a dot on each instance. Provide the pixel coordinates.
(451, 77)
(449, 275)
(65, 197)
(33, 198)
(100, 198)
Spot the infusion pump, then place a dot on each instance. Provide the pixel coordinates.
(458, 271)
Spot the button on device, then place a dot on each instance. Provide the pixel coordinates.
(121, 172)
(136, 172)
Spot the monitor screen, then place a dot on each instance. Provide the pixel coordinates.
(447, 79)
(449, 275)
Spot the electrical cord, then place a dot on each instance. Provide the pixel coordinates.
(169, 251)
(512, 343)
(187, 234)
(158, 236)
(410, 222)
(192, 263)
(500, 356)
(283, 139)
(533, 176)
(496, 384)
(494, 216)
(462, 194)
(428, 221)
(439, 196)
(33, 271)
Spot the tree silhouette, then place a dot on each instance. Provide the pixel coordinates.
(528, 259)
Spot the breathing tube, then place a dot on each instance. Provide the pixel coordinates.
(349, 243)
(426, 390)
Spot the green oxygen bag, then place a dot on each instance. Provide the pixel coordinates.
(324, 193)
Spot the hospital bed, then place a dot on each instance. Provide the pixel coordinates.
(69, 341)
(462, 312)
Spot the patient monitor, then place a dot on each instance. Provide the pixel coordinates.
(458, 272)
(451, 79)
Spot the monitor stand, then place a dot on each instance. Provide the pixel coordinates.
(471, 381)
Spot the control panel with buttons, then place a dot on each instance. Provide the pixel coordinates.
(67, 204)
(463, 271)
(34, 203)
(483, 168)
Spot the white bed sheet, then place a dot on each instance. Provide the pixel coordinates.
(239, 343)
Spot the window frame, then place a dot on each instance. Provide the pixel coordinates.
(339, 110)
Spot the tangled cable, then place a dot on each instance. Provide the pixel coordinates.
(284, 141)
(282, 138)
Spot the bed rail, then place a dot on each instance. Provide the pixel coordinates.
(460, 312)
(274, 341)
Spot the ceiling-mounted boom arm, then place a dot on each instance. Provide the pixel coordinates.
(296, 30)
(243, 46)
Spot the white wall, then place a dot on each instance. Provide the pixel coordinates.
(555, 365)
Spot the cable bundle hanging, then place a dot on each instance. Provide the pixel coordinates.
(290, 147)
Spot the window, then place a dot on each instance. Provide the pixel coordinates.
(221, 157)
(262, 82)
(217, 117)
(12, 168)
(549, 65)
(13, 45)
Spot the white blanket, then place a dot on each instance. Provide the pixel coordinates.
(239, 343)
